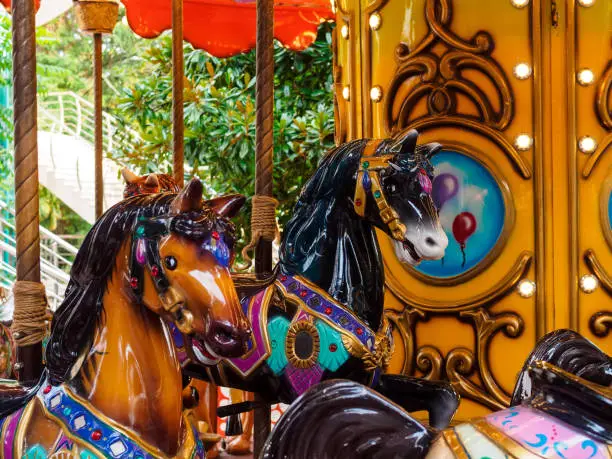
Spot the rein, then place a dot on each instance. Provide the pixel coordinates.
(145, 254)
(368, 180)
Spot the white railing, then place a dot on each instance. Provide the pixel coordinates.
(69, 114)
(56, 257)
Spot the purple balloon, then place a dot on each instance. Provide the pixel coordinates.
(445, 187)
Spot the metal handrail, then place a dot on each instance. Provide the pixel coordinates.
(69, 113)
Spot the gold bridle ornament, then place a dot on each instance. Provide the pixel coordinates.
(371, 165)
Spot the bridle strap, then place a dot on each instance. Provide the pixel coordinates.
(368, 180)
(145, 253)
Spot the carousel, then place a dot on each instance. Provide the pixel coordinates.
(443, 287)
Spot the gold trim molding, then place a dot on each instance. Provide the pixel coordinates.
(602, 104)
(492, 295)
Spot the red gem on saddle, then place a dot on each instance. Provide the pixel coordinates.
(333, 347)
(96, 435)
(359, 331)
(328, 310)
(303, 293)
(47, 389)
(215, 235)
(358, 202)
(154, 271)
(134, 282)
(283, 278)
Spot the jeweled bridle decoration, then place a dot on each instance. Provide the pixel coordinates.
(368, 180)
(145, 255)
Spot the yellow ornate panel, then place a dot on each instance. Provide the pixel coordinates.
(493, 83)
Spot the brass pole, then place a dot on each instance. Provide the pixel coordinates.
(264, 153)
(97, 64)
(178, 122)
(29, 357)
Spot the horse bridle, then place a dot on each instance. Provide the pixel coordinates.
(145, 255)
(368, 180)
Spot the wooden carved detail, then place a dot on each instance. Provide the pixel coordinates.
(438, 75)
(603, 108)
(404, 323)
(600, 323)
(462, 365)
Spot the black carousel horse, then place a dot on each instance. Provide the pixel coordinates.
(320, 314)
(561, 408)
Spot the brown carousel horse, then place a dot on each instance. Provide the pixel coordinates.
(561, 409)
(113, 385)
(198, 392)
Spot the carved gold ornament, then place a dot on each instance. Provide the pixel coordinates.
(296, 328)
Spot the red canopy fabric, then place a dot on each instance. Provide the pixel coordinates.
(227, 27)
(7, 4)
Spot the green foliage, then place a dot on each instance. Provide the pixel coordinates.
(54, 214)
(220, 117)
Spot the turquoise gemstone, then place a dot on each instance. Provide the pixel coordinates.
(377, 194)
(67, 411)
(366, 164)
(140, 231)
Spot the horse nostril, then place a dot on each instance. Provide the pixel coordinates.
(430, 241)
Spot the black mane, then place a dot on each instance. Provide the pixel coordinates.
(75, 320)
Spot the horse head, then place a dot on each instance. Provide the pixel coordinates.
(187, 255)
(393, 191)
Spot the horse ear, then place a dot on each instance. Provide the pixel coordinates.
(189, 199)
(405, 143)
(129, 176)
(227, 206)
(152, 181)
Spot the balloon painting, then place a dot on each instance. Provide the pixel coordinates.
(472, 213)
(464, 226)
(445, 187)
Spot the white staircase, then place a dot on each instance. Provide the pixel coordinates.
(56, 257)
(66, 153)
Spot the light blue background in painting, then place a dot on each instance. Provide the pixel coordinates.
(479, 194)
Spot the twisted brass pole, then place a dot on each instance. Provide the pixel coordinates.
(264, 154)
(178, 122)
(29, 357)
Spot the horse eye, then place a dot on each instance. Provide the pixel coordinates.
(170, 262)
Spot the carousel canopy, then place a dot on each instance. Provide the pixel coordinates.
(227, 27)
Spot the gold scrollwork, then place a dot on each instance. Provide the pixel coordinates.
(511, 325)
(404, 323)
(604, 202)
(602, 105)
(462, 364)
(598, 270)
(429, 360)
(440, 78)
(600, 323)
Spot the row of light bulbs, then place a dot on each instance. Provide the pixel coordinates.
(588, 284)
(523, 3)
(522, 71)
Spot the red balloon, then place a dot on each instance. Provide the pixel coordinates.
(464, 226)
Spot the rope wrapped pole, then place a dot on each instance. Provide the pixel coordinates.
(29, 348)
(178, 121)
(97, 64)
(264, 154)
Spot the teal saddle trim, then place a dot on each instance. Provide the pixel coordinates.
(332, 352)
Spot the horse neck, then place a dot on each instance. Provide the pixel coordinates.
(327, 243)
(131, 373)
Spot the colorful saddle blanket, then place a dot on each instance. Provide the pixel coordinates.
(522, 432)
(322, 335)
(87, 434)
